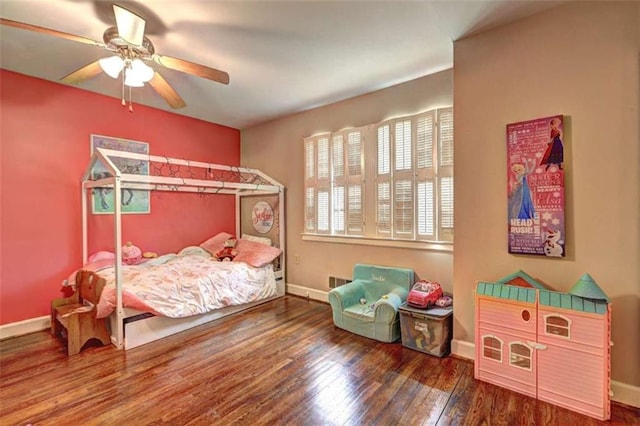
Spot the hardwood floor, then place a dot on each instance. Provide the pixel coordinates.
(280, 363)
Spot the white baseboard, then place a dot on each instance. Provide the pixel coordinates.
(311, 293)
(622, 392)
(19, 328)
(463, 349)
(625, 394)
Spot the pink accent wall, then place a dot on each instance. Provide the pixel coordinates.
(44, 150)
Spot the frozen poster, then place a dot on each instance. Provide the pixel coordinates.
(535, 185)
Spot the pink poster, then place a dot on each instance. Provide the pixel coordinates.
(535, 185)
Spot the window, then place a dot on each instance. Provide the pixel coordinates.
(334, 200)
(520, 355)
(492, 348)
(415, 196)
(556, 325)
(409, 195)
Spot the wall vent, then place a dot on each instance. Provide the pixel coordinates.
(338, 281)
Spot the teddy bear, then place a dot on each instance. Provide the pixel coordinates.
(228, 252)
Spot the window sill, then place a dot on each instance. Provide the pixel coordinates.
(379, 242)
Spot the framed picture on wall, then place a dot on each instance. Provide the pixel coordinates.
(535, 187)
(134, 201)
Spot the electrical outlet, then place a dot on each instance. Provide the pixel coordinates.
(296, 259)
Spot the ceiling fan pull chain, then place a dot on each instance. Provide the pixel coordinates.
(123, 101)
(130, 102)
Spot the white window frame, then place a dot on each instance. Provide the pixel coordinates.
(518, 357)
(500, 350)
(418, 208)
(567, 327)
(426, 171)
(334, 201)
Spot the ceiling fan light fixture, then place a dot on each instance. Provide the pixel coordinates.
(141, 71)
(112, 65)
(131, 80)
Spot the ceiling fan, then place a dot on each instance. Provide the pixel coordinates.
(131, 49)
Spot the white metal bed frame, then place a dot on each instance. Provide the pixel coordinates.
(152, 328)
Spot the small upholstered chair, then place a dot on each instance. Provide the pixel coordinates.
(368, 306)
(77, 314)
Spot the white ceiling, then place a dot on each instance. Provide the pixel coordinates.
(282, 57)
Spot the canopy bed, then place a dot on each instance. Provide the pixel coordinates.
(139, 314)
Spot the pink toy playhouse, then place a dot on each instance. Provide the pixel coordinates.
(549, 345)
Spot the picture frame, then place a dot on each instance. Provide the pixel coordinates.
(535, 187)
(134, 201)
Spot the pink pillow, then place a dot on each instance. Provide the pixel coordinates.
(215, 244)
(255, 254)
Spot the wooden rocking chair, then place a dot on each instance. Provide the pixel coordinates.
(77, 314)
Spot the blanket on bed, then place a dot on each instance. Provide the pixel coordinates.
(183, 285)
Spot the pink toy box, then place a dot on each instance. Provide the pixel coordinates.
(549, 345)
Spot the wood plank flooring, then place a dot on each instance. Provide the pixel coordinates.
(281, 363)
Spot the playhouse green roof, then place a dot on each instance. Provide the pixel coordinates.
(569, 301)
(587, 287)
(506, 291)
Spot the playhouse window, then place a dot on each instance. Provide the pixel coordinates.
(520, 355)
(492, 348)
(557, 325)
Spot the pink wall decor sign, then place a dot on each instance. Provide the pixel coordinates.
(535, 187)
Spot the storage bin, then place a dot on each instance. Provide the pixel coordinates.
(426, 330)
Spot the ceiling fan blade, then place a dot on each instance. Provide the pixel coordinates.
(167, 93)
(47, 31)
(191, 68)
(82, 74)
(130, 26)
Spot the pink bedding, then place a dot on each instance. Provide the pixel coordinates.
(184, 285)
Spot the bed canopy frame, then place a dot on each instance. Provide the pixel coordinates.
(202, 178)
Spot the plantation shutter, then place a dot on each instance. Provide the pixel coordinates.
(403, 180)
(323, 211)
(355, 179)
(309, 184)
(338, 210)
(323, 186)
(412, 193)
(445, 123)
(425, 175)
(403, 209)
(310, 210)
(402, 142)
(323, 158)
(337, 164)
(355, 221)
(445, 173)
(446, 205)
(426, 209)
(309, 158)
(383, 182)
(338, 182)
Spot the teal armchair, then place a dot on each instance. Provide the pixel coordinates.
(382, 289)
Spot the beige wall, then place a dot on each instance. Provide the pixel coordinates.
(277, 148)
(580, 60)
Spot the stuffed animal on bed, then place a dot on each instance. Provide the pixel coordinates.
(228, 253)
(131, 254)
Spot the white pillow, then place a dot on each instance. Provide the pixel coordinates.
(263, 240)
(194, 250)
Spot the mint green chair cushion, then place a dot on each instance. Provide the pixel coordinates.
(383, 289)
